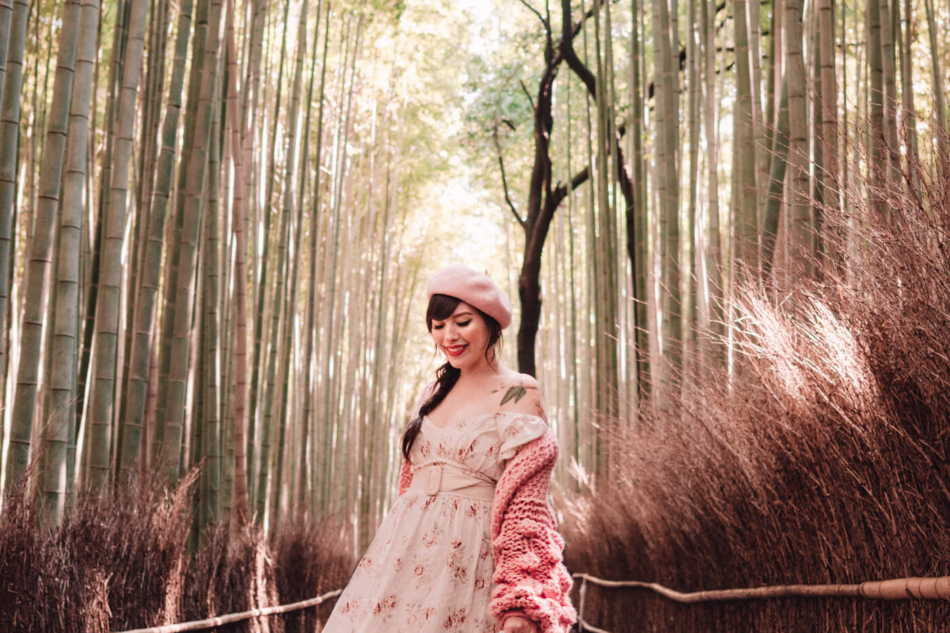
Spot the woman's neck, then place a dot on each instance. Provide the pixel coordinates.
(481, 371)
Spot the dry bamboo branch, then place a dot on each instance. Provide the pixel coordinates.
(894, 589)
(201, 625)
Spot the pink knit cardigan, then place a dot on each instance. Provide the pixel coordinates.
(531, 577)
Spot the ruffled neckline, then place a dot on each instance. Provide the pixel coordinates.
(425, 418)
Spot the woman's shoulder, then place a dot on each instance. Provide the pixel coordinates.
(520, 393)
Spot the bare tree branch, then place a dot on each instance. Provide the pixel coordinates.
(527, 94)
(504, 179)
(547, 27)
(561, 190)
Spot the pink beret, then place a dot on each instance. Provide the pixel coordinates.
(474, 288)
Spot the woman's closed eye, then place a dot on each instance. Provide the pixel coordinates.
(439, 327)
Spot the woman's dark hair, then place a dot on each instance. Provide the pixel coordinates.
(440, 308)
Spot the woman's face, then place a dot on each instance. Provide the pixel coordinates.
(463, 337)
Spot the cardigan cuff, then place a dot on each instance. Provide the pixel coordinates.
(513, 612)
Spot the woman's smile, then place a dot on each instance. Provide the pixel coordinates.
(455, 350)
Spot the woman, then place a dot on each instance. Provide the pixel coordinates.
(471, 543)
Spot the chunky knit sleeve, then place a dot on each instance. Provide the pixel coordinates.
(529, 570)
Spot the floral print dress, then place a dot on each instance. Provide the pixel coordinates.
(429, 567)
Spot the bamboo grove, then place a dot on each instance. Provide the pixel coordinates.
(216, 217)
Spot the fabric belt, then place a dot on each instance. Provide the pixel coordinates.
(433, 478)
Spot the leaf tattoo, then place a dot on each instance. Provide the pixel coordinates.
(516, 393)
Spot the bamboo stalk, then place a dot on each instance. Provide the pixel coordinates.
(239, 513)
(187, 267)
(37, 272)
(147, 291)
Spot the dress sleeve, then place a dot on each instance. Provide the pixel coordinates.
(517, 429)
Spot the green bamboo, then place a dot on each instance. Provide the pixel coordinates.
(210, 508)
(330, 419)
(640, 206)
(889, 67)
(9, 142)
(692, 79)
(747, 220)
(266, 408)
(169, 283)
(714, 259)
(829, 106)
(306, 464)
(239, 511)
(6, 16)
(253, 461)
(667, 142)
(40, 256)
(875, 59)
(146, 293)
(798, 132)
(776, 189)
(283, 306)
(908, 115)
(102, 397)
(940, 97)
(187, 266)
(66, 297)
(315, 224)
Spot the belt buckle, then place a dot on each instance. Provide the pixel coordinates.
(434, 480)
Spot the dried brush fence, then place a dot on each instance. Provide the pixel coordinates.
(826, 461)
(119, 563)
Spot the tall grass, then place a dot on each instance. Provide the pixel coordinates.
(122, 562)
(825, 460)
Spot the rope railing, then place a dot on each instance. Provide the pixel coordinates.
(911, 588)
(203, 625)
(918, 588)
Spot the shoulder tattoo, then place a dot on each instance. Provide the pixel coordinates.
(517, 392)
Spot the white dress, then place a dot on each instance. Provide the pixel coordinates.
(429, 567)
